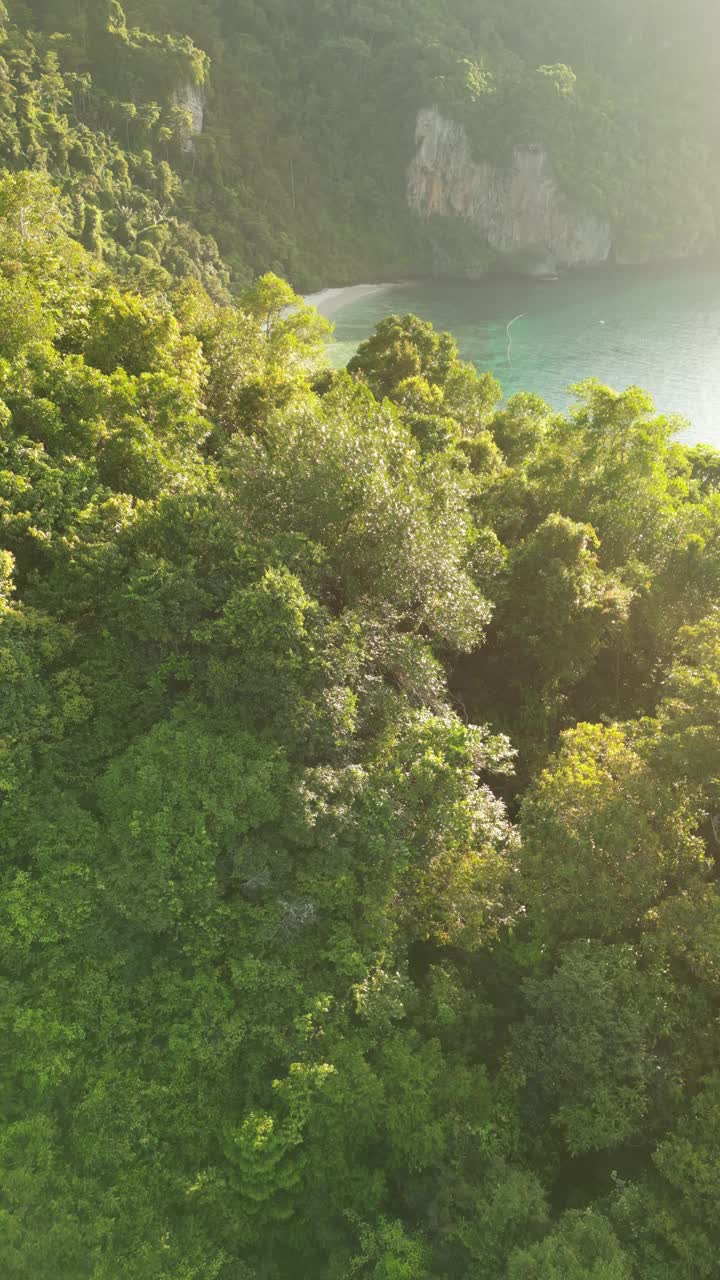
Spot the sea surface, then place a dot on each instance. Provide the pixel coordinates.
(658, 329)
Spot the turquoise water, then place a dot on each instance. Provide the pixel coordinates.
(658, 330)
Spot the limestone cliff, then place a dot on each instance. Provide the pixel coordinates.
(519, 211)
(191, 98)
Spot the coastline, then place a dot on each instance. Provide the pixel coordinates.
(329, 301)
(332, 300)
(627, 323)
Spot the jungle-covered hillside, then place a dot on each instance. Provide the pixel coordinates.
(309, 115)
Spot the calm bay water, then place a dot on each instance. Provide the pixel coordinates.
(656, 329)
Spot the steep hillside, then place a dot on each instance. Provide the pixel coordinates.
(309, 115)
(105, 115)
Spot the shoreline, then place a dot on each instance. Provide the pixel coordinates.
(330, 301)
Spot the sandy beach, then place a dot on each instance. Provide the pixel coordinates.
(329, 301)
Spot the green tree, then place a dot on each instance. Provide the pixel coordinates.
(582, 1247)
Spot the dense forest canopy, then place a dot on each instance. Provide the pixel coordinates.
(359, 751)
(360, 783)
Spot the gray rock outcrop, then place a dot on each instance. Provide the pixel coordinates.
(191, 98)
(519, 211)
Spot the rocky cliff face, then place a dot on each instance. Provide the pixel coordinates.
(519, 212)
(191, 98)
